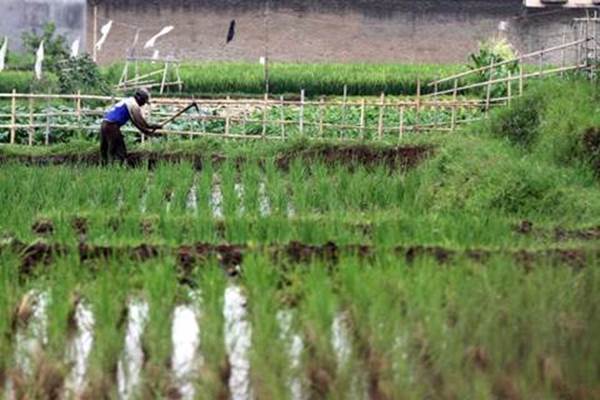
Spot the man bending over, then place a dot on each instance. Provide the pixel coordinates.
(112, 144)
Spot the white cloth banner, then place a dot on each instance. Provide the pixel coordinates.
(3, 53)
(39, 59)
(104, 31)
(163, 31)
(75, 48)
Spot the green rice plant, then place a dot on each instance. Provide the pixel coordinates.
(230, 197)
(107, 296)
(214, 376)
(250, 178)
(269, 358)
(11, 293)
(159, 281)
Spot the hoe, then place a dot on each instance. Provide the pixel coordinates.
(179, 113)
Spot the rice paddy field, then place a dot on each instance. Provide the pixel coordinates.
(459, 266)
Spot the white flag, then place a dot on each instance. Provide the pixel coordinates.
(104, 31)
(75, 48)
(3, 53)
(155, 55)
(39, 58)
(152, 41)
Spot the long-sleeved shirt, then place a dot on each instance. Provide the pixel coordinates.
(126, 110)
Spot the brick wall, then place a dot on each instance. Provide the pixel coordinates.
(317, 31)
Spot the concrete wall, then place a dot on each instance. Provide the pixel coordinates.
(19, 16)
(316, 31)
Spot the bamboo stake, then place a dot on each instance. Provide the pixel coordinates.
(264, 124)
(164, 78)
(344, 105)
(381, 113)
(321, 102)
(541, 66)
(227, 119)
(563, 53)
(47, 132)
(362, 118)
(32, 128)
(401, 128)
(454, 96)
(489, 88)
(78, 111)
(282, 117)
(509, 89)
(13, 117)
(521, 75)
(301, 117)
(418, 105)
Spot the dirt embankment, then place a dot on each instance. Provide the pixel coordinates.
(350, 155)
(231, 256)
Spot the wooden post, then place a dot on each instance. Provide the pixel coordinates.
(227, 118)
(13, 117)
(31, 127)
(282, 116)
(401, 127)
(265, 110)
(509, 88)
(362, 118)
(381, 114)
(47, 132)
(95, 35)
(541, 66)
(321, 104)
(344, 106)
(418, 104)
(521, 74)
(164, 78)
(488, 96)
(454, 106)
(78, 111)
(301, 117)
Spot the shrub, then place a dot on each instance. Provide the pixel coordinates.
(519, 123)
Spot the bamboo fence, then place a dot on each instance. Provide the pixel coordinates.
(265, 116)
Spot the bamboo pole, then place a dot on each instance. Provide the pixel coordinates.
(362, 118)
(78, 111)
(31, 129)
(541, 66)
(282, 116)
(489, 88)
(381, 114)
(301, 116)
(265, 110)
(509, 89)
(164, 78)
(521, 78)
(454, 96)
(513, 60)
(321, 103)
(401, 127)
(13, 117)
(418, 105)
(344, 105)
(227, 122)
(563, 53)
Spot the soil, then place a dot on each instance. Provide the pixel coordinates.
(230, 256)
(351, 155)
(559, 234)
(43, 227)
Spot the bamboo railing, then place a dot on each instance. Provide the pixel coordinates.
(266, 118)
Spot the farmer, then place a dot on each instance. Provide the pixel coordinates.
(112, 145)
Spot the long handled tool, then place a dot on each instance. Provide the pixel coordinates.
(179, 113)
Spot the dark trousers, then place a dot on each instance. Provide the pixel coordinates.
(112, 144)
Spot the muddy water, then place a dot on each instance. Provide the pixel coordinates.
(216, 200)
(263, 200)
(192, 198)
(294, 346)
(185, 359)
(78, 350)
(130, 364)
(30, 338)
(237, 342)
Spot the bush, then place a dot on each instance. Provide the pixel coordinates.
(519, 123)
(25, 82)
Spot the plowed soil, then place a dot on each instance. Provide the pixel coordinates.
(351, 155)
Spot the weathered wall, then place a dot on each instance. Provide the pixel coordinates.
(27, 15)
(314, 31)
